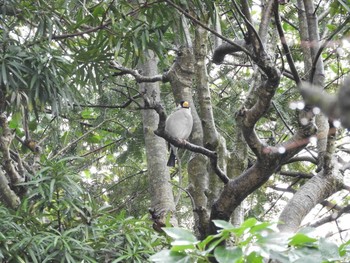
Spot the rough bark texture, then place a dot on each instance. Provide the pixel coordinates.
(237, 164)
(11, 192)
(309, 195)
(162, 199)
(181, 77)
(318, 78)
(7, 196)
(210, 134)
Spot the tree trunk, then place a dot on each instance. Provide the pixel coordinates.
(162, 199)
(309, 195)
(327, 181)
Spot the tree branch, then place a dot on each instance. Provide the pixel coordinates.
(296, 174)
(324, 45)
(185, 144)
(285, 46)
(138, 77)
(80, 138)
(226, 48)
(207, 28)
(334, 216)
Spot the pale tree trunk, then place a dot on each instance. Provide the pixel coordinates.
(210, 134)
(237, 163)
(162, 199)
(180, 77)
(328, 180)
(211, 138)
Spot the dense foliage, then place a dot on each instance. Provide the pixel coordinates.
(59, 221)
(74, 179)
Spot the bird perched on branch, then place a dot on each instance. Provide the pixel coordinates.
(179, 125)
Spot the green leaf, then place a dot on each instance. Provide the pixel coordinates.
(249, 223)
(254, 258)
(228, 255)
(223, 224)
(205, 242)
(329, 250)
(307, 255)
(98, 11)
(273, 242)
(180, 234)
(170, 257)
(344, 248)
(52, 188)
(260, 226)
(88, 114)
(181, 245)
(16, 121)
(300, 239)
(4, 73)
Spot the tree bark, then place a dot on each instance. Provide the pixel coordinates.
(162, 199)
(307, 197)
(327, 180)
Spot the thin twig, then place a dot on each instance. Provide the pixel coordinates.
(207, 28)
(286, 47)
(80, 138)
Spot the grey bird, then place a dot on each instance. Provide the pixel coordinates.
(179, 125)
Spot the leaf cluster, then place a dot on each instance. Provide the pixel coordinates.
(59, 221)
(253, 241)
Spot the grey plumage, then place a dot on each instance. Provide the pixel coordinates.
(179, 125)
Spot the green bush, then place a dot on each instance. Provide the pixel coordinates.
(253, 242)
(60, 221)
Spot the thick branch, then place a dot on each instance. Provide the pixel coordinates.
(296, 174)
(311, 193)
(224, 49)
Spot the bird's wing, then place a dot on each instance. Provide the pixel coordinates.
(179, 124)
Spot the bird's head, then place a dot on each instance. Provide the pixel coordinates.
(184, 104)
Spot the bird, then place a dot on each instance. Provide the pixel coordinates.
(179, 125)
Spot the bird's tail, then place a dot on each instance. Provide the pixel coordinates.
(172, 158)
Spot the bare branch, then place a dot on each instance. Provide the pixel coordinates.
(138, 77)
(325, 44)
(80, 33)
(80, 138)
(334, 216)
(302, 159)
(253, 34)
(296, 174)
(221, 51)
(207, 28)
(286, 47)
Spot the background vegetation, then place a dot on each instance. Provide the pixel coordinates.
(83, 86)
